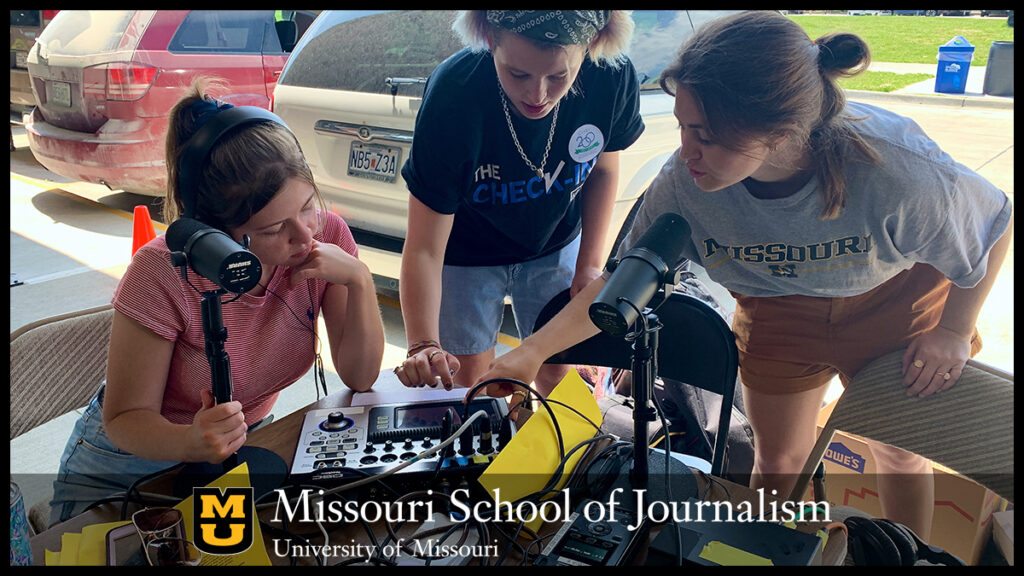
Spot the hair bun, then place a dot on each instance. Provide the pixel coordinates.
(842, 54)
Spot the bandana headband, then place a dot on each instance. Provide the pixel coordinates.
(563, 27)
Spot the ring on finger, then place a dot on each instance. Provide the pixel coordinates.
(918, 364)
(430, 357)
(947, 376)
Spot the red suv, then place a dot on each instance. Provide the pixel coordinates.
(104, 81)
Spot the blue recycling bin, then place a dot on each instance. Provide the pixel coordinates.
(955, 59)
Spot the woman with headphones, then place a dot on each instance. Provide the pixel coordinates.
(156, 408)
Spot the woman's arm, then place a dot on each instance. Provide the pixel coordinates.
(355, 331)
(569, 327)
(946, 348)
(599, 192)
(420, 291)
(138, 363)
(354, 327)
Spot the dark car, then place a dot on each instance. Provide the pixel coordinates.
(352, 88)
(104, 81)
(26, 25)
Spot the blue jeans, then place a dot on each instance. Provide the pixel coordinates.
(473, 298)
(92, 468)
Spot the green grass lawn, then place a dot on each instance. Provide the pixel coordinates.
(906, 39)
(912, 39)
(882, 81)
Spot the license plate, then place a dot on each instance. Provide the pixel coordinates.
(374, 162)
(60, 93)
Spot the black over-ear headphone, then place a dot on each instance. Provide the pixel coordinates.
(197, 150)
(880, 542)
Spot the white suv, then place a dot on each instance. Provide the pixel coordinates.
(352, 86)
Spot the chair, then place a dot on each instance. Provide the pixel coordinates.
(57, 365)
(696, 347)
(968, 428)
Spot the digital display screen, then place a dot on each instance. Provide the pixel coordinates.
(583, 552)
(430, 415)
(416, 416)
(124, 547)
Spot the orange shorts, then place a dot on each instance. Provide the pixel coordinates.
(790, 344)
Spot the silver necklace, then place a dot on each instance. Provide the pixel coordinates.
(515, 138)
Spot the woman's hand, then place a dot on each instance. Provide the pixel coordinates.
(217, 431)
(933, 361)
(329, 262)
(517, 364)
(428, 366)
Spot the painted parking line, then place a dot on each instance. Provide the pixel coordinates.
(55, 187)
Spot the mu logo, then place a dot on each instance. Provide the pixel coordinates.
(222, 522)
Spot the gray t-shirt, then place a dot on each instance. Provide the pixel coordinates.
(918, 205)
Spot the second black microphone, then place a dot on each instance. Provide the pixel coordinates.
(639, 274)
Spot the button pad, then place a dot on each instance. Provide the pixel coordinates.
(362, 440)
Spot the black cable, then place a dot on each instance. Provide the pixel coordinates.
(133, 487)
(554, 421)
(578, 413)
(668, 480)
(319, 381)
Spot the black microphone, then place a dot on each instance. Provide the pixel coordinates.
(214, 255)
(639, 274)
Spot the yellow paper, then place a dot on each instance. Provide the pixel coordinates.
(725, 555)
(527, 462)
(69, 548)
(52, 558)
(92, 548)
(256, 555)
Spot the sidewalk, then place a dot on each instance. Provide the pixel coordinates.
(924, 92)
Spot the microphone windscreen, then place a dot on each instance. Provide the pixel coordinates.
(180, 231)
(666, 237)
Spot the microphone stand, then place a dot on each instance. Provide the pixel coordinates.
(215, 335)
(266, 469)
(644, 366)
(645, 372)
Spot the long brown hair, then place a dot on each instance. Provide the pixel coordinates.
(757, 76)
(244, 170)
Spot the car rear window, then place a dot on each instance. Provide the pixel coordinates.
(80, 32)
(359, 52)
(224, 31)
(659, 34)
(26, 18)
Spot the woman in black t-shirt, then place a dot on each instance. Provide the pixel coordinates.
(513, 174)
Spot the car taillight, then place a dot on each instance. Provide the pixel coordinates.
(129, 81)
(49, 14)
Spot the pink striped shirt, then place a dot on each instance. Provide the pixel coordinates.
(270, 341)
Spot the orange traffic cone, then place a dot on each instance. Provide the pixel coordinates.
(143, 230)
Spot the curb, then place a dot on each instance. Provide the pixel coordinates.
(954, 101)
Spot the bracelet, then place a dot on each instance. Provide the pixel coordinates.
(421, 345)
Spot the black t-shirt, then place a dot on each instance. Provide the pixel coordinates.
(463, 160)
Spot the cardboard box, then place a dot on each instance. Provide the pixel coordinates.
(1002, 533)
(962, 523)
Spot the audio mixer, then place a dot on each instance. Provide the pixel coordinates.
(337, 445)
